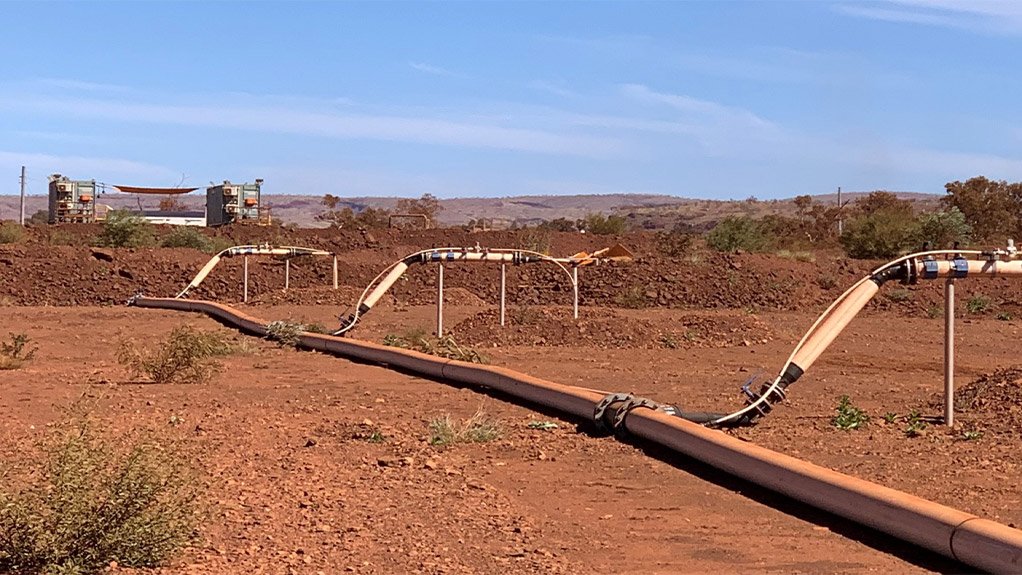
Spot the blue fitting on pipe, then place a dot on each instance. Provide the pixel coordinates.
(959, 267)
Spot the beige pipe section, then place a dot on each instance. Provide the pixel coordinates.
(396, 272)
(978, 542)
(981, 268)
(831, 327)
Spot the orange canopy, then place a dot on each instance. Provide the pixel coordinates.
(134, 190)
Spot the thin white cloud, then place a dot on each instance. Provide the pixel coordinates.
(85, 167)
(987, 16)
(329, 124)
(555, 88)
(434, 70)
(80, 85)
(695, 107)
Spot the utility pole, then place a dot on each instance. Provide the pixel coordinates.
(840, 213)
(23, 195)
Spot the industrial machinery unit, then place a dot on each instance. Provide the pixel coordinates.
(230, 203)
(72, 202)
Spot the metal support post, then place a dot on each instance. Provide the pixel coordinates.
(287, 273)
(949, 352)
(503, 284)
(574, 285)
(245, 282)
(335, 272)
(22, 219)
(440, 300)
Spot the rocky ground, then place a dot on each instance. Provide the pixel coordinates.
(315, 464)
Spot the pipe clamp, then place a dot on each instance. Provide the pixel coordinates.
(601, 408)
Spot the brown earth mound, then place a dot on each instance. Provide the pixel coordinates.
(991, 402)
(606, 328)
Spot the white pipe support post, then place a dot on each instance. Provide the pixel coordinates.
(335, 272)
(287, 273)
(440, 300)
(949, 352)
(245, 282)
(503, 288)
(574, 285)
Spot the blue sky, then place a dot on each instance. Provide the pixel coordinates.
(709, 100)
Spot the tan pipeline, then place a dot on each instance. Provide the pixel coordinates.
(972, 540)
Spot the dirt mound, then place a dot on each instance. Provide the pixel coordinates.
(991, 402)
(606, 328)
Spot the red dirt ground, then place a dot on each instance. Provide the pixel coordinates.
(295, 486)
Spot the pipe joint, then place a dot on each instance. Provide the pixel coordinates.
(959, 267)
(901, 272)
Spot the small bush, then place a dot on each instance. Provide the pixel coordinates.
(187, 356)
(632, 298)
(978, 304)
(39, 218)
(899, 295)
(1004, 316)
(16, 352)
(89, 502)
(445, 346)
(534, 239)
(191, 237)
(735, 233)
(603, 225)
(944, 229)
(879, 235)
(848, 417)
(799, 256)
(915, 426)
(934, 311)
(59, 237)
(675, 243)
(123, 229)
(285, 333)
(480, 428)
(11, 233)
(826, 282)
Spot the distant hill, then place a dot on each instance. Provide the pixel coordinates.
(646, 210)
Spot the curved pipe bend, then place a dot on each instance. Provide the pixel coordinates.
(839, 314)
(974, 541)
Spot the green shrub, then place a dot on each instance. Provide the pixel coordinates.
(675, 243)
(899, 295)
(848, 417)
(603, 225)
(480, 428)
(123, 229)
(445, 346)
(186, 356)
(879, 235)
(89, 501)
(945, 228)
(534, 239)
(632, 298)
(978, 304)
(15, 353)
(735, 233)
(191, 237)
(11, 233)
(799, 256)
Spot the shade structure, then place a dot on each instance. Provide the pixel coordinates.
(138, 190)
